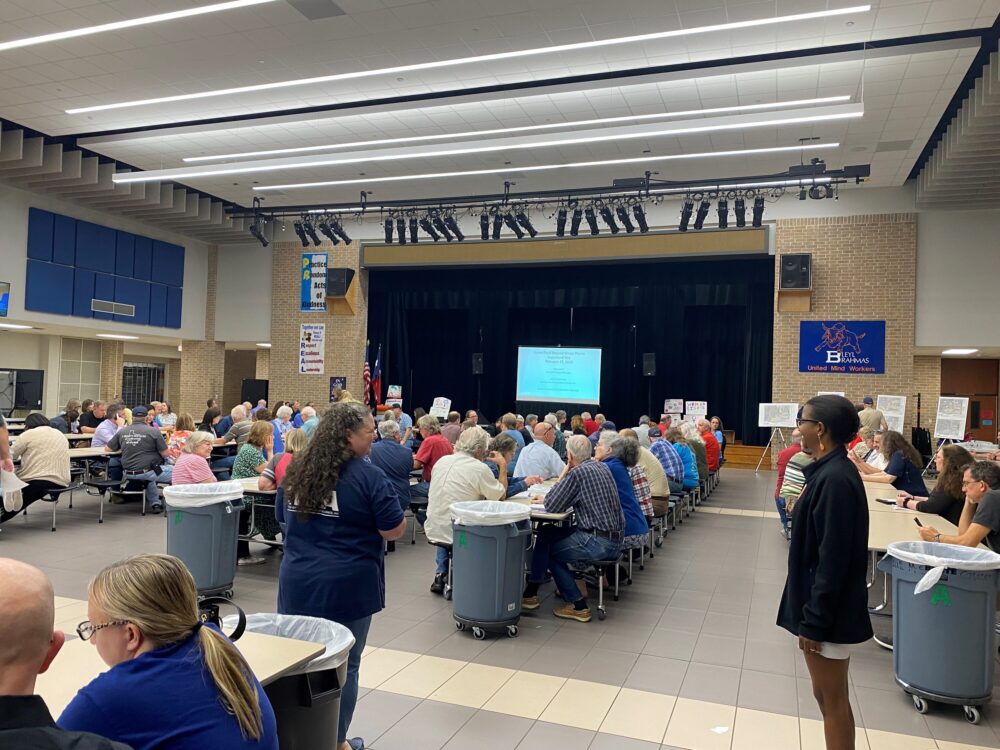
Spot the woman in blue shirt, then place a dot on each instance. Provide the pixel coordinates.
(620, 454)
(676, 438)
(173, 683)
(902, 470)
(339, 509)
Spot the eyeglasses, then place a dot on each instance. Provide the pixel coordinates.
(967, 482)
(800, 420)
(86, 629)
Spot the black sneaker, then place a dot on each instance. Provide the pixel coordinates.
(438, 586)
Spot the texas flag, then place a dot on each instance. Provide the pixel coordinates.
(377, 376)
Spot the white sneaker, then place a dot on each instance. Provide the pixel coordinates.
(13, 502)
(251, 561)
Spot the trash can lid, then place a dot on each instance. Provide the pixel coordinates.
(336, 637)
(200, 495)
(489, 512)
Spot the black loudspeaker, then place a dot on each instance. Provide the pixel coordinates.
(477, 363)
(253, 390)
(338, 280)
(796, 271)
(649, 363)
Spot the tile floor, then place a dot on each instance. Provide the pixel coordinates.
(689, 658)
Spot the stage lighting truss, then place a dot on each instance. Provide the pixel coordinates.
(739, 200)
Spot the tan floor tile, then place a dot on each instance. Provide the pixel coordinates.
(811, 735)
(703, 509)
(879, 740)
(423, 676)
(580, 704)
(525, 694)
(730, 511)
(753, 513)
(368, 650)
(945, 745)
(63, 601)
(381, 664)
(760, 729)
(639, 715)
(473, 685)
(699, 725)
(771, 514)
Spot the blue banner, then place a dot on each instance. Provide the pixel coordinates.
(313, 279)
(851, 347)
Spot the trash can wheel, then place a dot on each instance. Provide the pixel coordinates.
(459, 625)
(972, 714)
(920, 704)
(512, 631)
(478, 633)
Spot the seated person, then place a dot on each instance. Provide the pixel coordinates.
(713, 451)
(670, 459)
(191, 466)
(396, 460)
(28, 645)
(91, 420)
(606, 426)
(166, 415)
(980, 521)
(66, 421)
(183, 427)
(173, 681)
(44, 454)
(453, 428)
(309, 420)
(559, 446)
(209, 420)
(433, 445)
(506, 447)
(947, 498)
(676, 438)
(902, 469)
(237, 433)
(539, 457)
(866, 443)
(507, 424)
(114, 420)
(620, 455)
(221, 427)
(697, 446)
(587, 487)
(655, 478)
(249, 464)
(718, 431)
(274, 473)
(282, 423)
(576, 425)
(526, 429)
(143, 452)
(460, 476)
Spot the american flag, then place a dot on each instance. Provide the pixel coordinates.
(367, 378)
(377, 376)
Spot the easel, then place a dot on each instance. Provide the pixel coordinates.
(781, 437)
(934, 450)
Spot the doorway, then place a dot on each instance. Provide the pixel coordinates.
(978, 380)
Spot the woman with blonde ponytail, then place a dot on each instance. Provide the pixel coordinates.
(174, 682)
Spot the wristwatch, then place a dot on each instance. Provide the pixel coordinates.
(937, 537)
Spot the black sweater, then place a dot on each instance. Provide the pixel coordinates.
(946, 506)
(826, 597)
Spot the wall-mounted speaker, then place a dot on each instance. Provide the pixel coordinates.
(338, 281)
(796, 271)
(649, 364)
(477, 363)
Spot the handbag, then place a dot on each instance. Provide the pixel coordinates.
(11, 486)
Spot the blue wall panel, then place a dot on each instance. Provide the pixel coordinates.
(173, 307)
(124, 254)
(83, 292)
(39, 234)
(49, 288)
(104, 289)
(168, 263)
(143, 258)
(87, 253)
(133, 292)
(157, 305)
(64, 240)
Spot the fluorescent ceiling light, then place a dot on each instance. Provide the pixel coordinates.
(543, 167)
(637, 39)
(960, 351)
(523, 128)
(127, 24)
(15, 326)
(264, 346)
(300, 162)
(118, 336)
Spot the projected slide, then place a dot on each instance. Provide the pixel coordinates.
(559, 374)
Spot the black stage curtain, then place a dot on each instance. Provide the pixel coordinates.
(709, 323)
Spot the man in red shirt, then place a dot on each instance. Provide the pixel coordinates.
(712, 449)
(434, 445)
(589, 425)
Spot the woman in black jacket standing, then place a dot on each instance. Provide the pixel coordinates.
(825, 602)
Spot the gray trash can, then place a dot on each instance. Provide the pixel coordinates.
(943, 638)
(202, 526)
(488, 565)
(306, 702)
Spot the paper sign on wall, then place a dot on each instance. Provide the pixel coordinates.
(312, 350)
(337, 382)
(777, 415)
(673, 406)
(441, 407)
(394, 391)
(696, 408)
(951, 416)
(312, 292)
(830, 393)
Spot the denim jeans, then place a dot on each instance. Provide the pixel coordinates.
(151, 479)
(115, 468)
(441, 558)
(419, 493)
(349, 694)
(780, 503)
(556, 547)
(226, 462)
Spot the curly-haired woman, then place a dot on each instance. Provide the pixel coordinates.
(339, 510)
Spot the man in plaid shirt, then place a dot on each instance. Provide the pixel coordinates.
(586, 487)
(669, 459)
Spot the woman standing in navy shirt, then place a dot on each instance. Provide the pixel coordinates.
(339, 510)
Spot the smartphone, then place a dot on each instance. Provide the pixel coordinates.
(885, 501)
(917, 522)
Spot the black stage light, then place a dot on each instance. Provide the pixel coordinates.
(802, 193)
(258, 234)
(425, 224)
(758, 210)
(413, 229)
(723, 211)
(339, 230)
(452, 224)
(741, 212)
(388, 231)
(297, 226)
(699, 218)
(574, 227)
(497, 223)
(311, 232)
(686, 208)
(640, 217)
(561, 222)
(484, 225)
(441, 227)
(818, 192)
(327, 231)
(524, 221)
(588, 212)
(622, 213)
(511, 222)
(609, 219)
(400, 230)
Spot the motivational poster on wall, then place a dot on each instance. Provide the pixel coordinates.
(313, 282)
(850, 347)
(312, 348)
(338, 382)
(673, 406)
(696, 408)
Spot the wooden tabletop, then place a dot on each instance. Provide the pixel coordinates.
(91, 453)
(250, 485)
(270, 657)
(898, 526)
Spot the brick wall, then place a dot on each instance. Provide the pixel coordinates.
(263, 364)
(238, 365)
(203, 362)
(926, 382)
(112, 359)
(172, 392)
(345, 334)
(864, 268)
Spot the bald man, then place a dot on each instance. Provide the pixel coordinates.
(28, 645)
